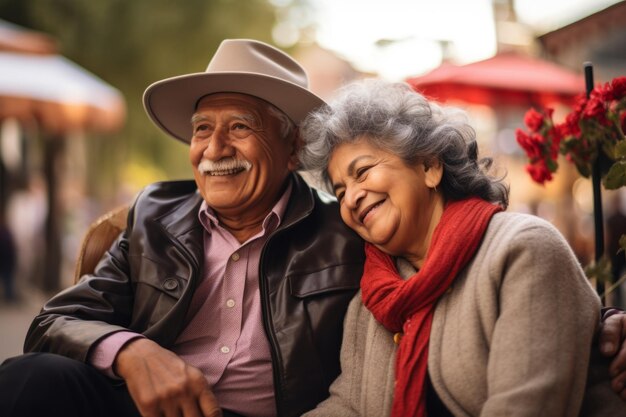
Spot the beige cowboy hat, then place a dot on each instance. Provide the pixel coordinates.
(238, 66)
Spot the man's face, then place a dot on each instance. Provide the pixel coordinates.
(240, 161)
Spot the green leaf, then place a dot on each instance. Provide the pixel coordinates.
(600, 270)
(620, 149)
(551, 164)
(610, 150)
(622, 243)
(616, 177)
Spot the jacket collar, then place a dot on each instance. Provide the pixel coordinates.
(300, 203)
(184, 217)
(182, 224)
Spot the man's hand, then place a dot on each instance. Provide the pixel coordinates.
(162, 384)
(612, 343)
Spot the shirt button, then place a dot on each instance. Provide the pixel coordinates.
(235, 257)
(230, 303)
(225, 349)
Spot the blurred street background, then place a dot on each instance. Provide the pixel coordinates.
(75, 141)
(15, 317)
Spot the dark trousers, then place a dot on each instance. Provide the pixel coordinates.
(44, 384)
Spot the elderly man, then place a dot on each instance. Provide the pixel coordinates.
(227, 292)
(224, 295)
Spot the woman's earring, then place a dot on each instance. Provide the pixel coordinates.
(435, 188)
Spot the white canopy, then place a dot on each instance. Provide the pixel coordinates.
(53, 78)
(38, 84)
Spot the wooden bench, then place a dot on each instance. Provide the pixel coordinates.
(98, 238)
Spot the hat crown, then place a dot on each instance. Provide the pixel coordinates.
(249, 56)
(240, 66)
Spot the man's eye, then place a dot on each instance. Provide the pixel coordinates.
(240, 130)
(201, 128)
(340, 196)
(239, 126)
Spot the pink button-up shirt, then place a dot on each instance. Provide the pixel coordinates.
(223, 335)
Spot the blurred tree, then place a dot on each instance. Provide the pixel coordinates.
(131, 44)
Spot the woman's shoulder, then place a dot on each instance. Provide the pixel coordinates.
(519, 225)
(511, 233)
(515, 219)
(525, 250)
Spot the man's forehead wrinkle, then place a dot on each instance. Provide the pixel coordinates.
(247, 116)
(198, 117)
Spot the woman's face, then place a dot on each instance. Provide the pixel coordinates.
(387, 202)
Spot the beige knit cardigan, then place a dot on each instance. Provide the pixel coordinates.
(511, 337)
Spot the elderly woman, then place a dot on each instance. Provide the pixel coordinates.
(464, 309)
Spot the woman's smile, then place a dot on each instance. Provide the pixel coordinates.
(369, 211)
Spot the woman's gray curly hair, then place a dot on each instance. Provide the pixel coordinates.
(395, 118)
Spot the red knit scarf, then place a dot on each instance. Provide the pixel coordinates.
(408, 305)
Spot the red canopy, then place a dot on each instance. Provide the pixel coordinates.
(506, 78)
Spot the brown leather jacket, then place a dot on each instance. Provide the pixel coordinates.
(310, 268)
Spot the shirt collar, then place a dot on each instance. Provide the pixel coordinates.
(209, 219)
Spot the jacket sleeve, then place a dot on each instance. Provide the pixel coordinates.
(540, 346)
(98, 305)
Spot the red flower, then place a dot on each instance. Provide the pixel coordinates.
(596, 126)
(570, 127)
(532, 144)
(563, 129)
(595, 110)
(619, 87)
(533, 119)
(579, 103)
(539, 172)
(604, 92)
(556, 136)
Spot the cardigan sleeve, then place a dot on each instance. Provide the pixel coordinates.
(365, 386)
(548, 313)
(345, 392)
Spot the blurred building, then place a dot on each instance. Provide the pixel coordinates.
(326, 70)
(599, 38)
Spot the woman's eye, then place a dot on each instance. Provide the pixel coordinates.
(340, 196)
(359, 172)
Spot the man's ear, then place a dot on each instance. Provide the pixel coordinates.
(433, 172)
(296, 143)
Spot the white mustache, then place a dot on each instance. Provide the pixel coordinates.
(223, 166)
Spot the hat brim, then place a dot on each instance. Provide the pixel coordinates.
(170, 103)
